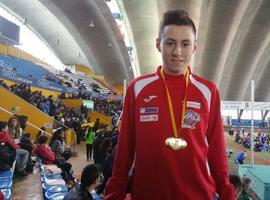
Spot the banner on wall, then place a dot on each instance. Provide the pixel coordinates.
(244, 105)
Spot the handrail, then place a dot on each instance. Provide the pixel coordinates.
(29, 123)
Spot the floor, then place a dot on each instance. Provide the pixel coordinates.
(29, 188)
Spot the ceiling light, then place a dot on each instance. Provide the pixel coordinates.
(25, 21)
(91, 24)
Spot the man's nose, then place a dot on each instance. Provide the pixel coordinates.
(177, 50)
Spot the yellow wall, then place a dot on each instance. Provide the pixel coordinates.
(72, 103)
(16, 105)
(119, 89)
(100, 79)
(86, 70)
(15, 52)
(103, 118)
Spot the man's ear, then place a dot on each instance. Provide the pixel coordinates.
(158, 44)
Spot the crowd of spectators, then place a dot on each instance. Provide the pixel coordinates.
(261, 140)
(70, 117)
(108, 107)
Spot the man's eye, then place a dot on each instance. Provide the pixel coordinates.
(186, 44)
(169, 43)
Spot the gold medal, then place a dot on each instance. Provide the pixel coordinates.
(176, 143)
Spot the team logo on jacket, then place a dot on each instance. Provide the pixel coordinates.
(149, 98)
(191, 119)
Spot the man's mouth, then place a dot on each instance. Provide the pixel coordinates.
(177, 61)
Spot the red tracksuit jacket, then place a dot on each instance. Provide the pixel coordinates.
(158, 172)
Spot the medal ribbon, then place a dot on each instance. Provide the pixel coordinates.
(175, 132)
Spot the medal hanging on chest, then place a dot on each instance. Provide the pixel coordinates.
(175, 142)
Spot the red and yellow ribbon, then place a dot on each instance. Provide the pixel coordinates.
(176, 133)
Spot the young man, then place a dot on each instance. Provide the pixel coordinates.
(171, 140)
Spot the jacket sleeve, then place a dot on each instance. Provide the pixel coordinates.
(57, 148)
(47, 154)
(217, 152)
(9, 140)
(118, 183)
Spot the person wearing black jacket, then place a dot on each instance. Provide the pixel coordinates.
(89, 181)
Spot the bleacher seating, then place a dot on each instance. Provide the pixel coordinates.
(85, 80)
(23, 66)
(53, 185)
(6, 181)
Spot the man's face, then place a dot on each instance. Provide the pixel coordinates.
(177, 45)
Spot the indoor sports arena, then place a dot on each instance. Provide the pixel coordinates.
(134, 100)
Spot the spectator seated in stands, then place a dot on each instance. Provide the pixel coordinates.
(57, 145)
(43, 151)
(14, 129)
(26, 142)
(3, 84)
(48, 157)
(62, 96)
(89, 180)
(22, 155)
(40, 132)
(7, 151)
(67, 70)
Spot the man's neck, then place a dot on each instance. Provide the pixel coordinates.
(181, 72)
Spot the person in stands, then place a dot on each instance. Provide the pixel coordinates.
(22, 155)
(57, 145)
(171, 140)
(14, 129)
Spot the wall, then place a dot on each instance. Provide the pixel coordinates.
(15, 52)
(103, 118)
(86, 70)
(119, 89)
(72, 103)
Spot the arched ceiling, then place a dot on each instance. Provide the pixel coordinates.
(65, 26)
(233, 41)
(233, 38)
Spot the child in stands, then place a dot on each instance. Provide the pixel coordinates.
(22, 155)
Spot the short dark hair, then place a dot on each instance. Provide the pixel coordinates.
(3, 125)
(89, 174)
(42, 139)
(176, 17)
